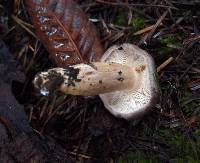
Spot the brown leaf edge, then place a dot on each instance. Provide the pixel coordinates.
(65, 31)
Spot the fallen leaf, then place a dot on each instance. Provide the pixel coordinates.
(65, 31)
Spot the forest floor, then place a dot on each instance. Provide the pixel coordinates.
(168, 30)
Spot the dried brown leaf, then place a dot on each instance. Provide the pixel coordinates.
(65, 31)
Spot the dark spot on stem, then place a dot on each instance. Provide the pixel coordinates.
(120, 48)
(120, 72)
(100, 82)
(72, 74)
(120, 79)
(89, 73)
(54, 81)
(78, 80)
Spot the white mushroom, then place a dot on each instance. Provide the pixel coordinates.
(124, 80)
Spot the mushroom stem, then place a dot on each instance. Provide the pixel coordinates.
(89, 79)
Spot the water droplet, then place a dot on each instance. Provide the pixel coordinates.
(52, 31)
(41, 9)
(44, 91)
(43, 28)
(10, 107)
(57, 44)
(43, 19)
(62, 56)
(94, 20)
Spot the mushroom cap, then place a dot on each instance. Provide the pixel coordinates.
(132, 103)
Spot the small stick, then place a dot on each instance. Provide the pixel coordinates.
(159, 21)
(30, 114)
(23, 25)
(164, 64)
(81, 155)
(135, 4)
(144, 30)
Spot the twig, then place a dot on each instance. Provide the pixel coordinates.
(164, 64)
(80, 155)
(31, 63)
(30, 114)
(23, 25)
(188, 68)
(134, 5)
(159, 21)
(191, 40)
(144, 30)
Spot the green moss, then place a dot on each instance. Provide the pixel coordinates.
(121, 18)
(169, 44)
(170, 40)
(137, 23)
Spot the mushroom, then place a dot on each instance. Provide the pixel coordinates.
(124, 79)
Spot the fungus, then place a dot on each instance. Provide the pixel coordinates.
(124, 80)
